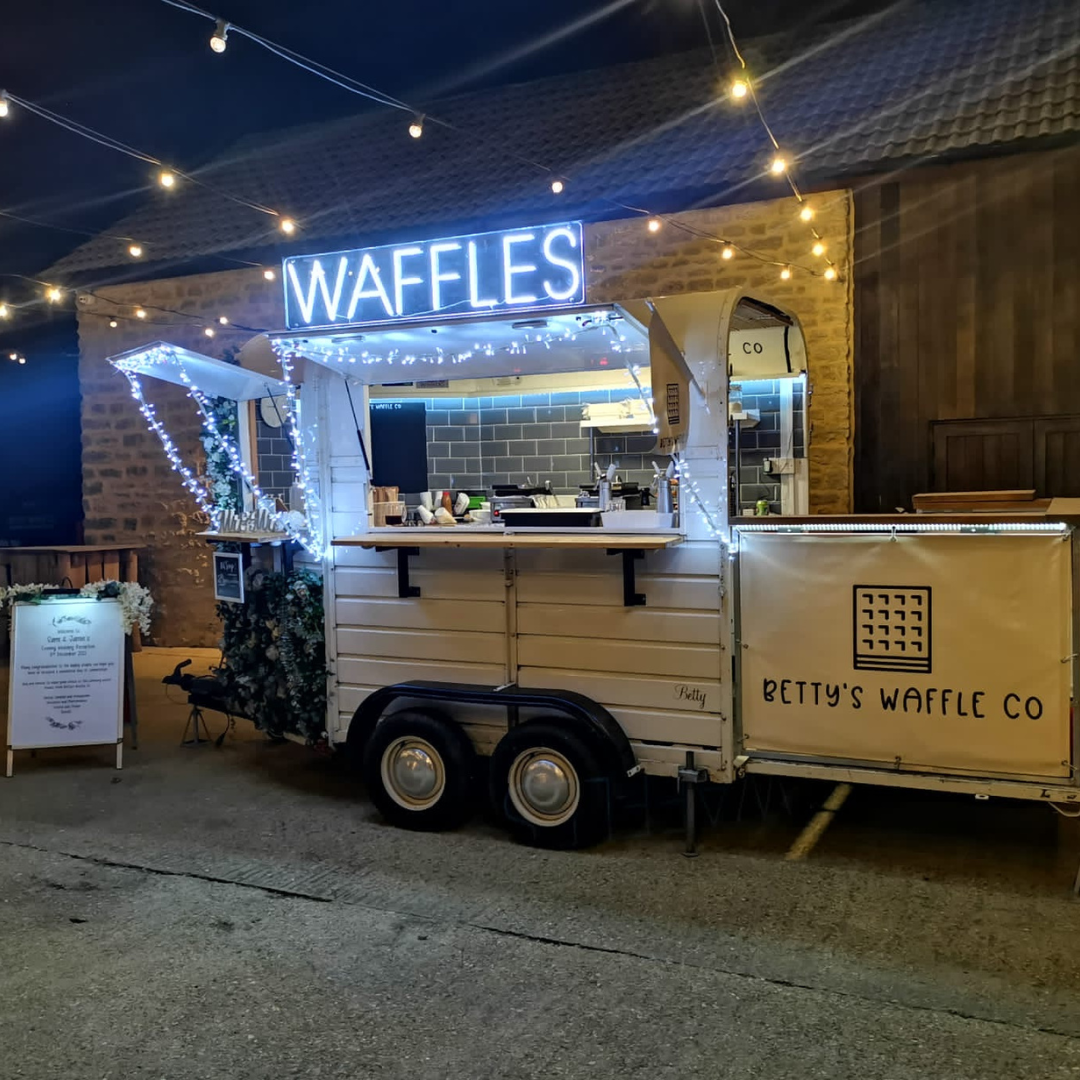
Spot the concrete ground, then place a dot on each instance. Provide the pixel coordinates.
(243, 913)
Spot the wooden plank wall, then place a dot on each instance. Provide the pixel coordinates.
(967, 306)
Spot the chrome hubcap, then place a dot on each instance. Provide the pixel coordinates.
(544, 786)
(413, 773)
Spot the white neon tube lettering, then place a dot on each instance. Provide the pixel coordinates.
(509, 269)
(400, 282)
(368, 268)
(474, 281)
(316, 284)
(566, 264)
(438, 278)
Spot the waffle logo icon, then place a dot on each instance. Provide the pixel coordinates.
(891, 628)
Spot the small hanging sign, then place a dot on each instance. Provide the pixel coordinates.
(229, 577)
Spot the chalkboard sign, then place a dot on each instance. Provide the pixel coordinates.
(228, 577)
(399, 445)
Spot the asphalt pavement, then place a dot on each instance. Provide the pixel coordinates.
(243, 912)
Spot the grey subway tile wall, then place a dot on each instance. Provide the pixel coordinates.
(513, 437)
(763, 441)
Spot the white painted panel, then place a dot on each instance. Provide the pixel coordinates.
(350, 698)
(692, 593)
(422, 614)
(667, 760)
(363, 672)
(433, 584)
(636, 623)
(349, 474)
(639, 691)
(677, 727)
(357, 556)
(591, 654)
(695, 558)
(349, 497)
(423, 644)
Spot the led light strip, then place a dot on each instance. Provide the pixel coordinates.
(939, 526)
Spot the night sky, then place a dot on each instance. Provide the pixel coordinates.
(142, 72)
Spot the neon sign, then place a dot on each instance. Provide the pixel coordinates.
(481, 274)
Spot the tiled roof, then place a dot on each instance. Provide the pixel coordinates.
(923, 80)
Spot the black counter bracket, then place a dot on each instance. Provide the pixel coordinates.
(405, 589)
(631, 597)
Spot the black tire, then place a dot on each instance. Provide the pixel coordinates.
(435, 742)
(582, 818)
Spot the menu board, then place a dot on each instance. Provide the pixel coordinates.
(67, 674)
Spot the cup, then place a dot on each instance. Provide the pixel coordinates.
(425, 500)
(481, 517)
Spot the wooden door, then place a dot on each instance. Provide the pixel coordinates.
(984, 455)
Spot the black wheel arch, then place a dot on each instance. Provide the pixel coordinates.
(591, 721)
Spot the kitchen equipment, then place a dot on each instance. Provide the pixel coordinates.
(499, 503)
(629, 492)
(550, 518)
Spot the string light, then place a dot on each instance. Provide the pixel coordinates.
(269, 274)
(739, 88)
(209, 331)
(785, 273)
(113, 324)
(53, 294)
(140, 313)
(654, 224)
(727, 252)
(416, 128)
(557, 186)
(830, 273)
(21, 360)
(5, 311)
(5, 105)
(818, 249)
(135, 251)
(287, 226)
(778, 165)
(13, 356)
(166, 178)
(807, 212)
(219, 41)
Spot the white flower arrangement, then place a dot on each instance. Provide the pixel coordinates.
(136, 603)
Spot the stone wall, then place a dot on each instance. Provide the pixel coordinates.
(130, 494)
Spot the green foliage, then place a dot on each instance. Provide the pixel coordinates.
(274, 654)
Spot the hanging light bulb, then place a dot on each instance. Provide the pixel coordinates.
(785, 274)
(53, 294)
(222, 320)
(830, 273)
(740, 87)
(269, 274)
(22, 359)
(209, 331)
(5, 311)
(140, 313)
(287, 226)
(557, 186)
(220, 39)
(13, 356)
(135, 251)
(113, 324)
(778, 165)
(818, 249)
(5, 105)
(807, 213)
(416, 128)
(167, 179)
(654, 224)
(727, 252)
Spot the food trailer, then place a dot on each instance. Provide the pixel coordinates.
(575, 642)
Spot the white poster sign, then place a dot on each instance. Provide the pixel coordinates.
(934, 653)
(67, 674)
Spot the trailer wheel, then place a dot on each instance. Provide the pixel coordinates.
(420, 770)
(549, 787)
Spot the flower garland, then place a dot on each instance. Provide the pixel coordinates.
(136, 603)
(273, 654)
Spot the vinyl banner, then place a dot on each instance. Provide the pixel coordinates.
(924, 652)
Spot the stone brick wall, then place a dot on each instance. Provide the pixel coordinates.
(130, 493)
